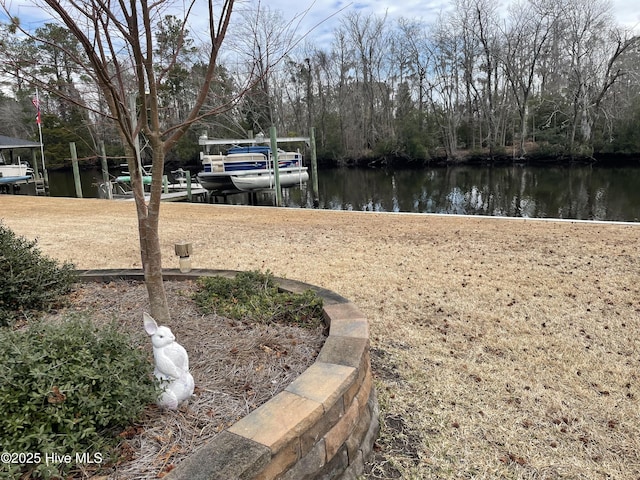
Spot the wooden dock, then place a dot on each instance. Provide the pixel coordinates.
(197, 195)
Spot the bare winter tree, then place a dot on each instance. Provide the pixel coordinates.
(596, 52)
(530, 29)
(367, 38)
(449, 49)
(117, 39)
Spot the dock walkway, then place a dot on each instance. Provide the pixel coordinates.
(197, 194)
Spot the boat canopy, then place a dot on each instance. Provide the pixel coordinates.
(250, 149)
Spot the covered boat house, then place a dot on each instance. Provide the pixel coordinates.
(14, 166)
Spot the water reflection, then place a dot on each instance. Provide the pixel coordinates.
(584, 192)
(515, 191)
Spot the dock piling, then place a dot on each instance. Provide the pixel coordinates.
(314, 168)
(76, 170)
(105, 170)
(276, 165)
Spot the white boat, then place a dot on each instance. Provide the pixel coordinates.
(179, 182)
(15, 173)
(113, 190)
(125, 176)
(13, 170)
(250, 169)
(289, 177)
(120, 186)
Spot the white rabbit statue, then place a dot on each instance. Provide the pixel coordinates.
(171, 365)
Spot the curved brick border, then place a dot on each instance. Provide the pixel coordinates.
(322, 425)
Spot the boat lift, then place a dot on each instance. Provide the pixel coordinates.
(207, 142)
(260, 138)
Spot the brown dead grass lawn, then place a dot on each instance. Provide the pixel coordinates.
(501, 348)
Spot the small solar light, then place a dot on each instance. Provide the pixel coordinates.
(183, 250)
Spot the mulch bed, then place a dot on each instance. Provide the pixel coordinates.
(237, 366)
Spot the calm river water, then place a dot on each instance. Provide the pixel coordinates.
(579, 192)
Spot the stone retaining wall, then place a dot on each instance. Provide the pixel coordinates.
(322, 426)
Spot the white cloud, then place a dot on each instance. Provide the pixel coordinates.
(626, 12)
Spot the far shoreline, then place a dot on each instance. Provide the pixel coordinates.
(473, 158)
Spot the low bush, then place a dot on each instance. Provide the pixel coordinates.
(68, 389)
(28, 279)
(255, 296)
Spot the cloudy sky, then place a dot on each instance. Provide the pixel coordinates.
(320, 17)
(626, 12)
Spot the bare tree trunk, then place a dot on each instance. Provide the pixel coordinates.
(148, 228)
(148, 220)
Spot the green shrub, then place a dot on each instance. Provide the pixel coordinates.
(255, 296)
(28, 279)
(68, 389)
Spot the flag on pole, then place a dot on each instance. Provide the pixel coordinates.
(36, 103)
